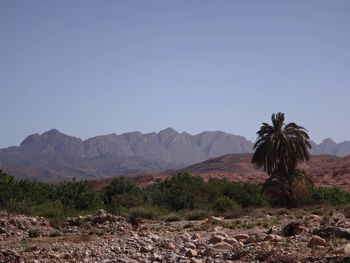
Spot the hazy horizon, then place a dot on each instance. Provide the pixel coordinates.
(90, 68)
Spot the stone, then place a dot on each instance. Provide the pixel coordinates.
(215, 239)
(241, 237)
(316, 241)
(190, 253)
(222, 246)
(170, 246)
(230, 240)
(196, 260)
(147, 248)
(209, 252)
(335, 231)
(215, 219)
(293, 229)
(273, 238)
(186, 237)
(195, 236)
(190, 245)
(256, 237)
(344, 250)
(313, 217)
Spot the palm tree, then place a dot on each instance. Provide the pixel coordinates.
(279, 149)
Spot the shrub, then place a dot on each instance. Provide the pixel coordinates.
(245, 194)
(55, 233)
(142, 213)
(224, 204)
(77, 195)
(33, 233)
(180, 192)
(122, 192)
(171, 218)
(334, 196)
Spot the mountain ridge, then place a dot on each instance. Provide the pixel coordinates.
(55, 156)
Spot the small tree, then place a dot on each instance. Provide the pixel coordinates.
(279, 149)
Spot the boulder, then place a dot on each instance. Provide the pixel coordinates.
(190, 253)
(241, 237)
(293, 229)
(273, 238)
(222, 246)
(215, 239)
(344, 250)
(335, 231)
(316, 241)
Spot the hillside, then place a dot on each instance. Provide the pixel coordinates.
(324, 170)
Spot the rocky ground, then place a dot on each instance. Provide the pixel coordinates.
(107, 238)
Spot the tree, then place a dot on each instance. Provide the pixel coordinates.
(122, 192)
(279, 149)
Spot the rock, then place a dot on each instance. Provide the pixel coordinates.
(241, 237)
(222, 246)
(335, 231)
(190, 253)
(190, 245)
(156, 257)
(195, 260)
(313, 217)
(186, 237)
(344, 250)
(215, 239)
(209, 252)
(146, 248)
(217, 228)
(256, 237)
(231, 240)
(170, 245)
(215, 219)
(273, 238)
(195, 236)
(316, 241)
(293, 229)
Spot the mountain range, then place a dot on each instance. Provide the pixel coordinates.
(55, 156)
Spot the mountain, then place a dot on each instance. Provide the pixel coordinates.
(54, 156)
(328, 146)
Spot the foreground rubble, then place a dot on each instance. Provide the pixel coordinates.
(110, 239)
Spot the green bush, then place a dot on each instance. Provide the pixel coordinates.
(77, 195)
(180, 192)
(224, 204)
(33, 233)
(122, 192)
(333, 196)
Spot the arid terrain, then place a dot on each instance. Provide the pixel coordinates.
(265, 236)
(325, 170)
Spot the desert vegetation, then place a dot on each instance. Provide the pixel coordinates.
(182, 196)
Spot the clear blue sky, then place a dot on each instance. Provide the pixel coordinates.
(96, 67)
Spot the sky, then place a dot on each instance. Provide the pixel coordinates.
(89, 68)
